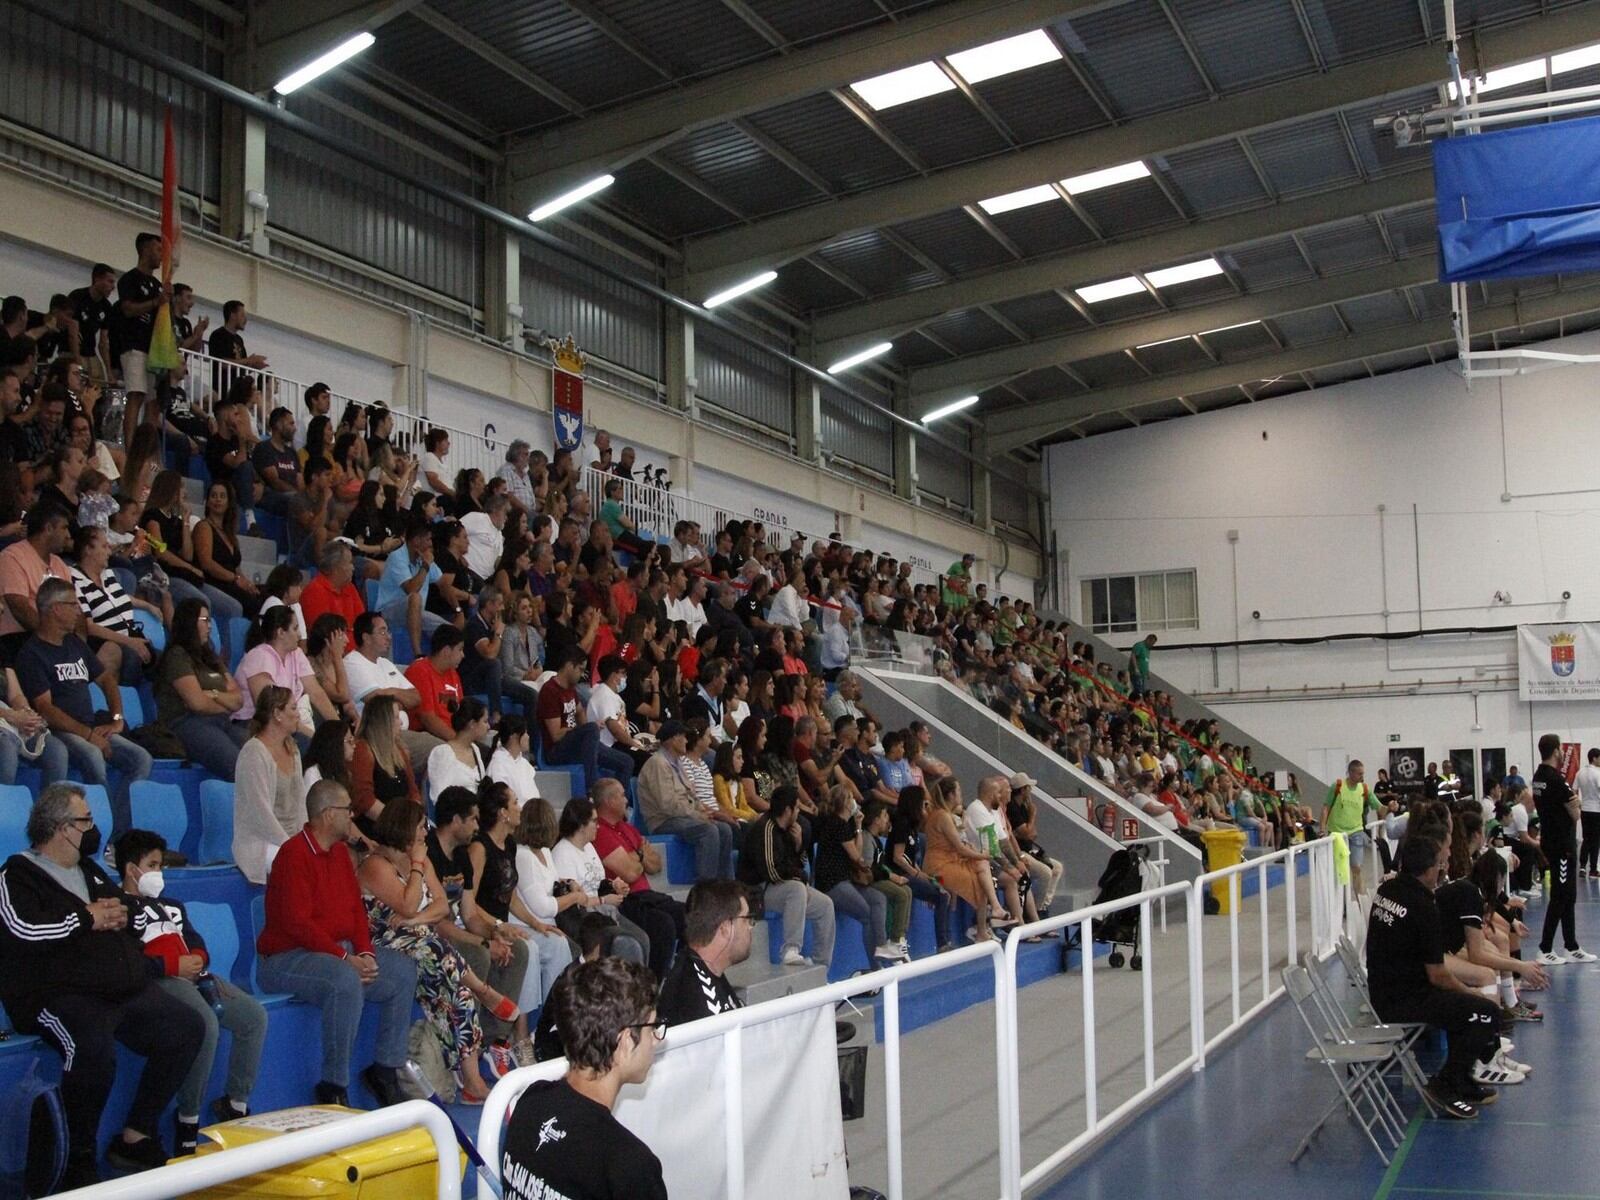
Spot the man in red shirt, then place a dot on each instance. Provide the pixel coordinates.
(334, 589)
(627, 856)
(316, 946)
(568, 737)
(437, 679)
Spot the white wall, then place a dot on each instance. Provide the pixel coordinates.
(1320, 488)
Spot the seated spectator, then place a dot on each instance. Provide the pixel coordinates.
(895, 888)
(312, 514)
(333, 749)
(485, 542)
(26, 734)
(118, 640)
(608, 710)
(627, 856)
(381, 767)
(273, 656)
(519, 482)
(215, 541)
(269, 789)
(508, 764)
(437, 684)
(177, 958)
(549, 952)
(317, 947)
(450, 598)
(371, 674)
(285, 585)
(960, 869)
(842, 875)
(277, 467)
(458, 762)
(54, 670)
(24, 566)
(481, 673)
(72, 976)
(575, 860)
(834, 656)
(706, 701)
(406, 585)
(892, 768)
(522, 652)
(196, 697)
(668, 805)
(605, 1015)
(717, 934)
(367, 527)
(568, 738)
(435, 475)
(468, 490)
(1022, 815)
(772, 862)
(166, 526)
(326, 648)
(727, 782)
(859, 767)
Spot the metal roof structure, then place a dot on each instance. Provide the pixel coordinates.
(964, 225)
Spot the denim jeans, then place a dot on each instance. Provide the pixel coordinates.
(130, 759)
(213, 740)
(798, 902)
(867, 906)
(52, 760)
(395, 613)
(243, 1017)
(484, 676)
(581, 747)
(333, 986)
(712, 842)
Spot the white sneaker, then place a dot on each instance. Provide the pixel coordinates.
(905, 947)
(1581, 956)
(1551, 959)
(793, 958)
(1506, 1063)
(1490, 1075)
(889, 952)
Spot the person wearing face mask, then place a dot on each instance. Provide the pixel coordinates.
(71, 974)
(176, 958)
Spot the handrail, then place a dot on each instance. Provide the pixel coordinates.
(225, 1166)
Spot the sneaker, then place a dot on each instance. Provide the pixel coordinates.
(889, 952)
(185, 1136)
(1475, 1093)
(522, 1053)
(1551, 959)
(1506, 1063)
(905, 947)
(1522, 1012)
(1490, 1074)
(498, 1059)
(144, 1155)
(1582, 956)
(383, 1085)
(793, 958)
(331, 1093)
(224, 1109)
(1449, 1104)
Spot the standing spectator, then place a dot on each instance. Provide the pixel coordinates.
(485, 542)
(176, 956)
(196, 697)
(1588, 782)
(569, 739)
(91, 309)
(1139, 665)
(771, 860)
(269, 789)
(71, 974)
(1559, 809)
(54, 670)
(718, 925)
(317, 947)
(668, 804)
(139, 294)
(1346, 811)
(605, 1014)
(435, 474)
(627, 856)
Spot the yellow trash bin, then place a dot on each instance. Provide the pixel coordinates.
(401, 1166)
(1224, 848)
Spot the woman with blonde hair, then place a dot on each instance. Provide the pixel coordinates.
(956, 866)
(381, 768)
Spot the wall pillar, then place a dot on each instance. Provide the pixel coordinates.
(905, 448)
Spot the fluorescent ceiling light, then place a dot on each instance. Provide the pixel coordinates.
(859, 357)
(953, 407)
(1225, 328)
(1202, 268)
(1574, 60)
(739, 289)
(1005, 56)
(566, 200)
(1164, 341)
(322, 65)
(1026, 198)
(1107, 177)
(1110, 290)
(903, 86)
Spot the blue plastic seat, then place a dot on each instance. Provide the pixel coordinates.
(155, 633)
(215, 924)
(216, 822)
(14, 805)
(238, 633)
(159, 807)
(99, 807)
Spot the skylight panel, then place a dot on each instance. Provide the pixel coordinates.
(1005, 56)
(1026, 198)
(1575, 60)
(1112, 289)
(1505, 77)
(1202, 268)
(903, 86)
(1106, 177)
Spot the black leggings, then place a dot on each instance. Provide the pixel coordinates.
(1561, 902)
(1471, 1023)
(1589, 856)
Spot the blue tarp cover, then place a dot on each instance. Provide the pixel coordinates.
(1519, 202)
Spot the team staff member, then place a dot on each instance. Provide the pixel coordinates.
(719, 927)
(563, 1140)
(1558, 808)
(1410, 982)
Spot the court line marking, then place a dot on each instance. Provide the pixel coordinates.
(1399, 1161)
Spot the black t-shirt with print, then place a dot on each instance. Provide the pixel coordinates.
(225, 344)
(92, 316)
(1557, 836)
(563, 1144)
(1460, 905)
(133, 333)
(1403, 938)
(692, 991)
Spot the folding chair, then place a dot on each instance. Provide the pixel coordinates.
(1356, 1069)
(1400, 1037)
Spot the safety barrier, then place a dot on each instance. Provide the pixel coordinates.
(210, 1170)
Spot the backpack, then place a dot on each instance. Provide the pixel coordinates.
(33, 1137)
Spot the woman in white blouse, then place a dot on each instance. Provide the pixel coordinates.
(574, 858)
(548, 953)
(509, 764)
(269, 791)
(459, 762)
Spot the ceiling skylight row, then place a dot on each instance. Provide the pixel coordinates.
(989, 61)
(1077, 185)
(1529, 72)
(1131, 285)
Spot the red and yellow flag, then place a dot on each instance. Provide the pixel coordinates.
(163, 339)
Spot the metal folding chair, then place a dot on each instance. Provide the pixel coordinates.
(1356, 1069)
(1400, 1037)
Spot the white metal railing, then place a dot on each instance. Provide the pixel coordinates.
(728, 1027)
(211, 1170)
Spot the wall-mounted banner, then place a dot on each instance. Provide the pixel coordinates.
(1559, 662)
(566, 392)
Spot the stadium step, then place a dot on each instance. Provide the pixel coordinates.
(759, 979)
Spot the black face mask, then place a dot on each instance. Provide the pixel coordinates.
(89, 844)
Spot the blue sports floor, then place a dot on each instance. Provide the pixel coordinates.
(1230, 1130)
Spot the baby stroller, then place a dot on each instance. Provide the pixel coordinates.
(1123, 877)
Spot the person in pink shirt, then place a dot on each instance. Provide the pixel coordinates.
(273, 656)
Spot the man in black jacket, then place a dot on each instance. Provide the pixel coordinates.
(718, 936)
(771, 860)
(70, 973)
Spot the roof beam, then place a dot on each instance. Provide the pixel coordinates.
(783, 238)
(540, 161)
(497, 59)
(1017, 427)
(837, 331)
(286, 36)
(974, 372)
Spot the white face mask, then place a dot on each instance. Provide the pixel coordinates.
(150, 884)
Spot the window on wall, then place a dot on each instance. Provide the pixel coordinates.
(1152, 602)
